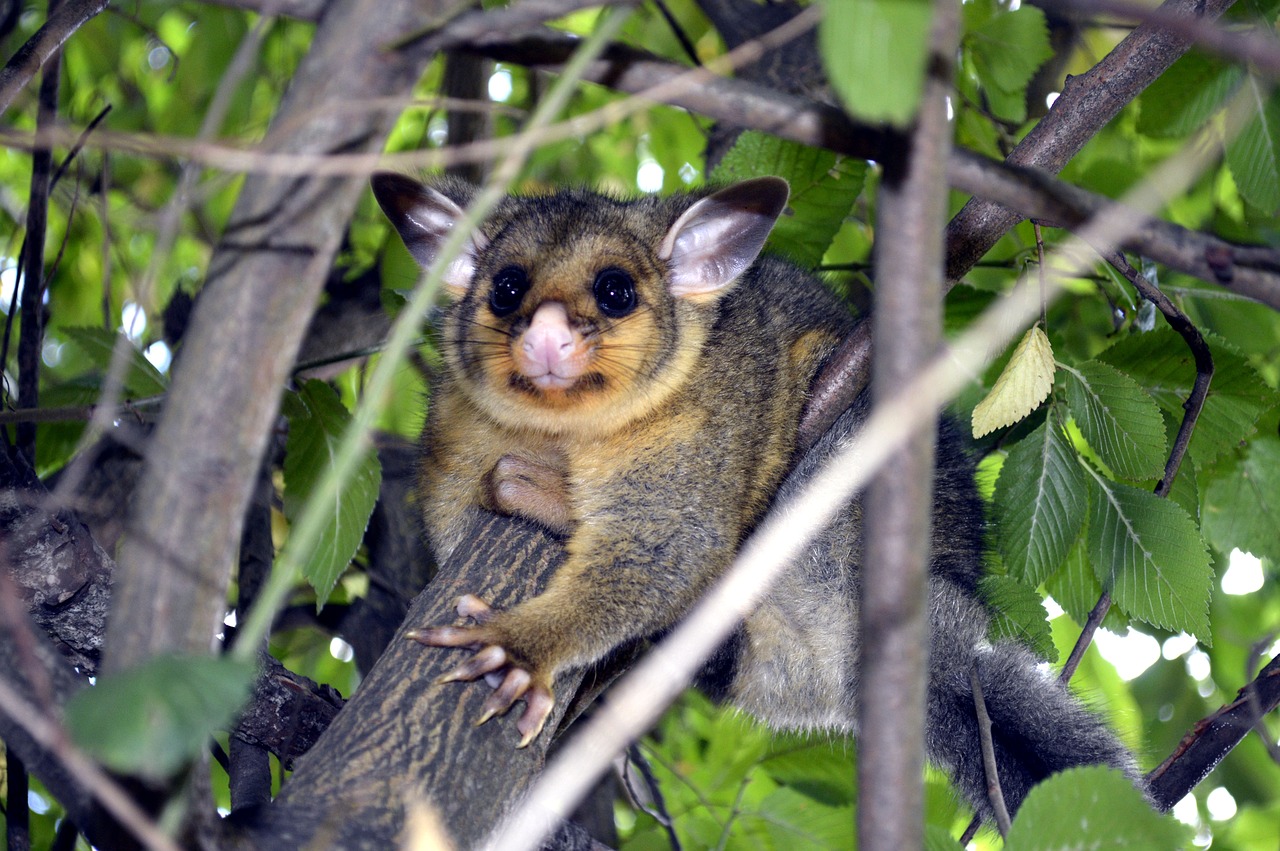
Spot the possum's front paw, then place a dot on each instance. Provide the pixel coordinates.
(528, 488)
(495, 658)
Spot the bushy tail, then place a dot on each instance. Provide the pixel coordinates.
(1038, 727)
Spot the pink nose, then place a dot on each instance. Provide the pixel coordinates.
(548, 341)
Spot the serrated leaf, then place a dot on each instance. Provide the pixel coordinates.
(1025, 382)
(1090, 807)
(151, 721)
(317, 423)
(141, 379)
(1254, 155)
(794, 820)
(1076, 589)
(1148, 552)
(1161, 362)
(1242, 505)
(1183, 97)
(1041, 500)
(824, 186)
(859, 39)
(1018, 613)
(1007, 49)
(1118, 419)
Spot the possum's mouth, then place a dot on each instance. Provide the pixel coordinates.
(552, 386)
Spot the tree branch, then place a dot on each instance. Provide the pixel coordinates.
(1213, 738)
(906, 330)
(41, 47)
(1087, 103)
(244, 336)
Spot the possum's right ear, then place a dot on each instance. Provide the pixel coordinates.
(423, 217)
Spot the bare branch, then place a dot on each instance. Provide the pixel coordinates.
(1086, 104)
(907, 327)
(994, 792)
(1213, 738)
(1256, 47)
(32, 56)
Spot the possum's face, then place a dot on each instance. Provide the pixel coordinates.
(575, 313)
(568, 324)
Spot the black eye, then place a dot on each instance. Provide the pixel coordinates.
(615, 293)
(509, 286)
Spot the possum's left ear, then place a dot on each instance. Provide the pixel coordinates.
(720, 236)
(424, 217)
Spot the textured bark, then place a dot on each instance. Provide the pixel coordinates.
(265, 277)
(403, 741)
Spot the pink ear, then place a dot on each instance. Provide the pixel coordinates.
(423, 217)
(720, 236)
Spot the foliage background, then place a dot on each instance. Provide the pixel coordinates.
(158, 67)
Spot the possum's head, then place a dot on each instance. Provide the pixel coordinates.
(574, 312)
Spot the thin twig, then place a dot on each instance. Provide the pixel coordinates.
(1090, 627)
(40, 48)
(994, 794)
(1179, 322)
(686, 45)
(1191, 407)
(658, 812)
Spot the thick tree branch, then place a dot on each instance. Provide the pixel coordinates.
(907, 327)
(344, 792)
(1087, 103)
(244, 336)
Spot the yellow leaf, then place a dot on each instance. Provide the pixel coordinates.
(1021, 387)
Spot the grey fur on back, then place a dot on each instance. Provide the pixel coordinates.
(795, 662)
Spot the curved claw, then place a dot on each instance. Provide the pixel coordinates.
(506, 693)
(509, 681)
(487, 660)
(446, 636)
(538, 703)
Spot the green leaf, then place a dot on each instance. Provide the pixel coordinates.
(1182, 98)
(1162, 363)
(1148, 552)
(1118, 419)
(1007, 49)
(821, 770)
(824, 186)
(151, 721)
(860, 39)
(1076, 588)
(1242, 505)
(317, 422)
(937, 838)
(1018, 613)
(1041, 498)
(141, 379)
(1090, 807)
(794, 820)
(1254, 155)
